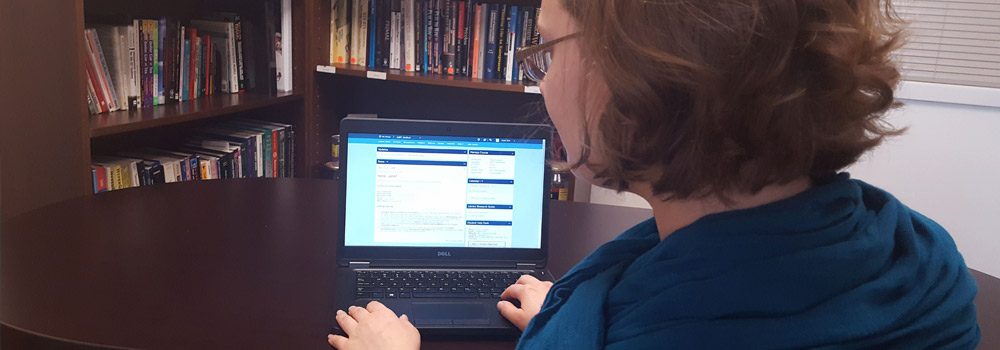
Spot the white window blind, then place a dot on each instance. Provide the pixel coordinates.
(953, 42)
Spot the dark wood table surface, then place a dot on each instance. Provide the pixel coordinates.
(226, 264)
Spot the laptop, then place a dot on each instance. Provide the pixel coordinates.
(438, 218)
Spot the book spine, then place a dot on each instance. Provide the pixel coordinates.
(502, 23)
(394, 38)
(409, 47)
(490, 71)
(386, 45)
(170, 47)
(474, 50)
(460, 34)
(185, 67)
(512, 26)
(241, 65)
(529, 32)
(434, 40)
(206, 69)
(373, 37)
(91, 68)
(232, 59)
(147, 64)
(192, 70)
(420, 30)
(450, 38)
(285, 79)
(197, 68)
(484, 31)
(135, 74)
(157, 63)
(121, 66)
(104, 73)
(334, 6)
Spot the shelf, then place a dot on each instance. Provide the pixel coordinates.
(204, 107)
(428, 79)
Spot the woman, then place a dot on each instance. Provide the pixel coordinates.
(732, 119)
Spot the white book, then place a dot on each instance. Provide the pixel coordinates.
(103, 73)
(409, 35)
(511, 43)
(340, 40)
(283, 56)
(395, 40)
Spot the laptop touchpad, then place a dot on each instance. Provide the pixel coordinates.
(437, 313)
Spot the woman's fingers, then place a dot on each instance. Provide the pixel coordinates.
(512, 313)
(337, 341)
(346, 322)
(359, 313)
(526, 279)
(514, 291)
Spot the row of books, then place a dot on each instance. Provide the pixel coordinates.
(239, 148)
(467, 38)
(150, 62)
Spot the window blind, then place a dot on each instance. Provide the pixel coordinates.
(951, 42)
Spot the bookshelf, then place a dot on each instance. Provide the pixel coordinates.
(47, 109)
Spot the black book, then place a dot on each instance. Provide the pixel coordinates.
(460, 23)
(385, 28)
(503, 25)
(272, 18)
(470, 16)
(435, 37)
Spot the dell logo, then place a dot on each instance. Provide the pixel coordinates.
(448, 254)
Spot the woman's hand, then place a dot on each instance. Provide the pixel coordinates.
(530, 292)
(374, 327)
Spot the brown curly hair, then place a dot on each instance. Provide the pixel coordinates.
(729, 96)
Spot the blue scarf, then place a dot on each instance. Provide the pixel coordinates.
(843, 265)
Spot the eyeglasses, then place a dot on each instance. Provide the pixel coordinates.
(537, 58)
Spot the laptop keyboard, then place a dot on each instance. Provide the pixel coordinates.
(391, 284)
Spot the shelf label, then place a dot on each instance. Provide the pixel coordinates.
(326, 69)
(532, 90)
(377, 75)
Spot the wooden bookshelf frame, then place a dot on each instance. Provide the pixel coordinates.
(427, 79)
(108, 124)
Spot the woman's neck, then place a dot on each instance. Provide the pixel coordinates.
(672, 215)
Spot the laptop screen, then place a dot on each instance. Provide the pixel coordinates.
(441, 191)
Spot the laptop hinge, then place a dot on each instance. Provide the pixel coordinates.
(358, 264)
(526, 266)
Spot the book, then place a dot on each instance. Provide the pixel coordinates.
(503, 23)
(223, 38)
(283, 54)
(490, 62)
(135, 92)
(512, 25)
(95, 86)
(395, 39)
(339, 32)
(114, 50)
(409, 35)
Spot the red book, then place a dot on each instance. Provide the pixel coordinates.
(474, 53)
(192, 70)
(93, 72)
(100, 178)
(208, 64)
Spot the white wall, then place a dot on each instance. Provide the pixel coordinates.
(947, 166)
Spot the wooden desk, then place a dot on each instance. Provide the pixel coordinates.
(225, 264)
(217, 264)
